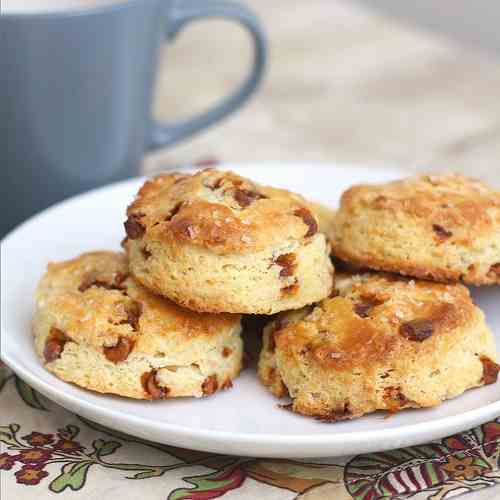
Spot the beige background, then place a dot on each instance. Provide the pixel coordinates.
(343, 84)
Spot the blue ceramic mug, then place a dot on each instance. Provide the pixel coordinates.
(76, 89)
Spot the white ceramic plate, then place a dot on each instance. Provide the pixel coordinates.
(245, 420)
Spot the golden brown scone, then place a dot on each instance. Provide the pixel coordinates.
(97, 327)
(217, 242)
(381, 342)
(441, 227)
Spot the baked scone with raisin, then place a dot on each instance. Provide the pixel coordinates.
(217, 242)
(381, 342)
(441, 227)
(325, 216)
(97, 327)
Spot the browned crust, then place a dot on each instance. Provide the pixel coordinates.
(399, 267)
(451, 200)
(96, 286)
(218, 210)
(328, 415)
(406, 268)
(271, 378)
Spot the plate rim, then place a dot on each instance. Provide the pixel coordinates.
(248, 444)
(310, 446)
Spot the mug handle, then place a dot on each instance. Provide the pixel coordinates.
(165, 134)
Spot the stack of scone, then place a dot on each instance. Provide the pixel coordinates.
(164, 319)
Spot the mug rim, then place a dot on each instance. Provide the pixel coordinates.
(76, 12)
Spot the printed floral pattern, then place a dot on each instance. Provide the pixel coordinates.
(467, 461)
(462, 468)
(62, 461)
(39, 439)
(30, 475)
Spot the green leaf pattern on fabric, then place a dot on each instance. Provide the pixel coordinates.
(103, 448)
(29, 395)
(72, 476)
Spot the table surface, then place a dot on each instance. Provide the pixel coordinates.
(343, 84)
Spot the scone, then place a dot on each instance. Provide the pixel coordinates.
(217, 242)
(441, 227)
(325, 216)
(98, 328)
(381, 342)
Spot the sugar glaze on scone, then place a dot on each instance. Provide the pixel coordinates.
(97, 327)
(381, 342)
(217, 242)
(441, 227)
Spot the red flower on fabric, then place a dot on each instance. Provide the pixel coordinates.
(68, 446)
(7, 461)
(456, 443)
(33, 456)
(30, 475)
(491, 432)
(39, 439)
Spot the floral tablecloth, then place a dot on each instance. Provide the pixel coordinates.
(46, 450)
